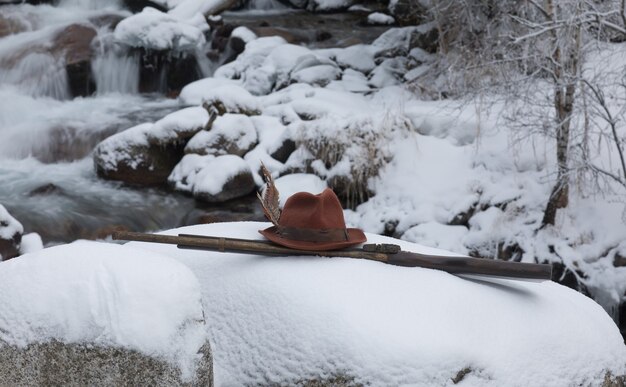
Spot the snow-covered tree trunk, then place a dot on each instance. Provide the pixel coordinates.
(565, 63)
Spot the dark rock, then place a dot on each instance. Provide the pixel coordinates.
(408, 12)
(284, 150)
(564, 276)
(426, 39)
(46, 189)
(10, 248)
(462, 218)
(321, 36)
(12, 229)
(165, 72)
(509, 251)
(621, 317)
(137, 5)
(61, 364)
(619, 260)
(238, 186)
(391, 227)
(74, 43)
(237, 45)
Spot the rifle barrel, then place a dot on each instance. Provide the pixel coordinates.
(450, 264)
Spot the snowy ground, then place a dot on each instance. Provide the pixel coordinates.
(284, 319)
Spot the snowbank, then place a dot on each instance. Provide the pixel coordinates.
(104, 295)
(288, 319)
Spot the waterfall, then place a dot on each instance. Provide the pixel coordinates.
(114, 69)
(37, 74)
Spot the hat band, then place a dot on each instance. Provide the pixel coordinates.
(314, 234)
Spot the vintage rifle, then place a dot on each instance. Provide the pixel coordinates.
(385, 253)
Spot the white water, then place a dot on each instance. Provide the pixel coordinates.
(90, 4)
(266, 5)
(115, 69)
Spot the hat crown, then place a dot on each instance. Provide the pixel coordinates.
(306, 210)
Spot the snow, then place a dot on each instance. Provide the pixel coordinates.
(230, 133)
(232, 96)
(284, 319)
(174, 126)
(243, 33)
(217, 172)
(155, 30)
(380, 18)
(9, 226)
(183, 123)
(31, 243)
(183, 176)
(328, 5)
(186, 9)
(104, 294)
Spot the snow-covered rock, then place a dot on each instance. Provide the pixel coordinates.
(320, 75)
(380, 18)
(226, 96)
(97, 313)
(402, 40)
(264, 65)
(10, 235)
(155, 30)
(213, 179)
(287, 320)
(147, 153)
(186, 9)
(223, 178)
(232, 134)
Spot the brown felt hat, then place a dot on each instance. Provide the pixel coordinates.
(313, 222)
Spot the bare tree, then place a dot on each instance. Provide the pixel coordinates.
(510, 45)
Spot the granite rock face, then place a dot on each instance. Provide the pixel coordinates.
(59, 364)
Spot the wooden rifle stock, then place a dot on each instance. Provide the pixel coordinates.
(390, 254)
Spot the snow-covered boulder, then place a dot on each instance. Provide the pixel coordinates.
(154, 30)
(223, 95)
(187, 9)
(298, 320)
(92, 313)
(224, 178)
(10, 235)
(232, 134)
(402, 40)
(320, 75)
(380, 18)
(265, 64)
(147, 153)
(213, 179)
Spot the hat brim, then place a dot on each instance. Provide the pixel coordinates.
(355, 236)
